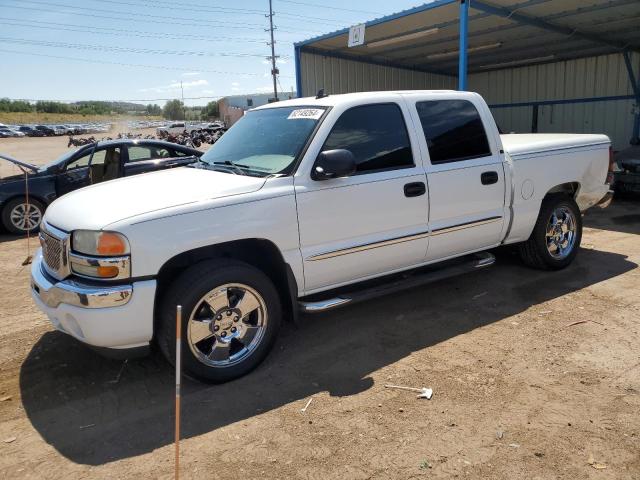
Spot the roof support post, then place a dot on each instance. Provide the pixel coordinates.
(297, 60)
(464, 34)
(635, 85)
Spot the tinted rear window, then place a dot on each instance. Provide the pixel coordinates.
(453, 130)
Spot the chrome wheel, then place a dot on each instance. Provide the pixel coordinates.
(227, 325)
(561, 232)
(25, 217)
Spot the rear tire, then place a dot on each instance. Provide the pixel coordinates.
(231, 316)
(16, 220)
(556, 237)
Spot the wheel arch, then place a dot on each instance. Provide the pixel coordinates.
(257, 252)
(569, 188)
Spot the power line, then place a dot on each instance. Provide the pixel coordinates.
(108, 48)
(172, 22)
(331, 7)
(157, 67)
(147, 15)
(220, 10)
(123, 32)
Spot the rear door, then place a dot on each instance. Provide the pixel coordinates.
(465, 174)
(372, 222)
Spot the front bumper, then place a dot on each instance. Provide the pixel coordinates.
(108, 316)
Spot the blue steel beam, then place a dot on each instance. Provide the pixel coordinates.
(635, 85)
(544, 25)
(464, 32)
(298, 59)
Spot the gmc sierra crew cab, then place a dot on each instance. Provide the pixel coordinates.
(308, 204)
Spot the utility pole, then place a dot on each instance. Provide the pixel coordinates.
(274, 70)
(184, 110)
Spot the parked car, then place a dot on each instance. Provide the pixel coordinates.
(308, 204)
(31, 131)
(627, 174)
(48, 131)
(9, 132)
(174, 128)
(88, 165)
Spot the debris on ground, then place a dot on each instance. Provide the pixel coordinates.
(514, 445)
(425, 464)
(5, 399)
(480, 295)
(307, 405)
(422, 392)
(10, 439)
(82, 427)
(583, 321)
(597, 465)
(499, 434)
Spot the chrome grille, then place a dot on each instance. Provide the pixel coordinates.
(51, 251)
(55, 251)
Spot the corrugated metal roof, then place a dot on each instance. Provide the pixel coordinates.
(502, 34)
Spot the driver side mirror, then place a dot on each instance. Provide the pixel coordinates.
(334, 164)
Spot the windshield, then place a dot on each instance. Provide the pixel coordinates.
(62, 158)
(265, 141)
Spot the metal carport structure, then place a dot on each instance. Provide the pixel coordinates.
(543, 65)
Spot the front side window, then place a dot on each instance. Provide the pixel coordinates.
(453, 130)
(265, 141)
(376, 135)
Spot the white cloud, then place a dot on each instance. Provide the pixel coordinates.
(190, 74)
(281, 61)
(208, 92)
(175, 86)
(235, 84)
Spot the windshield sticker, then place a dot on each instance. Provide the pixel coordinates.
(310, 113)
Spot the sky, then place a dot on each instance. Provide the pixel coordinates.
(140, 50)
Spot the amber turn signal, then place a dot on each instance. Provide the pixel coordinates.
(111, 244)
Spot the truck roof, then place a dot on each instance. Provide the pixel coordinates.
(333, 100)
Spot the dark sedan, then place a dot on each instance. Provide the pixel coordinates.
(92, 163)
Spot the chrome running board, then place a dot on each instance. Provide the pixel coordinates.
(393, 283)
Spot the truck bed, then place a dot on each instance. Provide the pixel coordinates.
(531, 143)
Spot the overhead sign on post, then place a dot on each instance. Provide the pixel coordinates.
(356, 35)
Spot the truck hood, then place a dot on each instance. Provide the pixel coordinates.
(169, 191)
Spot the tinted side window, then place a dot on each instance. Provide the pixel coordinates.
(138, 153)
(453, 130)
(375, 134)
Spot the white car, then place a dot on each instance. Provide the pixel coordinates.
(294, 208)
(175, 128)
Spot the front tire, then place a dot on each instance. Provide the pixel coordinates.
(20, 217)
(556, 237)
(231, 317)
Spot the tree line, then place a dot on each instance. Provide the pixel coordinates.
(173, 109)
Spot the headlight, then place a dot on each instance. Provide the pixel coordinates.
(100, 255)
(101, 244)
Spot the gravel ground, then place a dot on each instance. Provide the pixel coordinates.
(536, 375)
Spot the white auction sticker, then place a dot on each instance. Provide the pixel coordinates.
(312, 113)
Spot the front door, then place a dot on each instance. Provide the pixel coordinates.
(372, 222)
(466, 177)
(76, 173)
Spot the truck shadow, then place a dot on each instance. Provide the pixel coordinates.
(95, 411)
(621, 216)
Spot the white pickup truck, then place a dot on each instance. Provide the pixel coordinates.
(308, 204)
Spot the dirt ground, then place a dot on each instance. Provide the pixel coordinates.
(536, 375)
